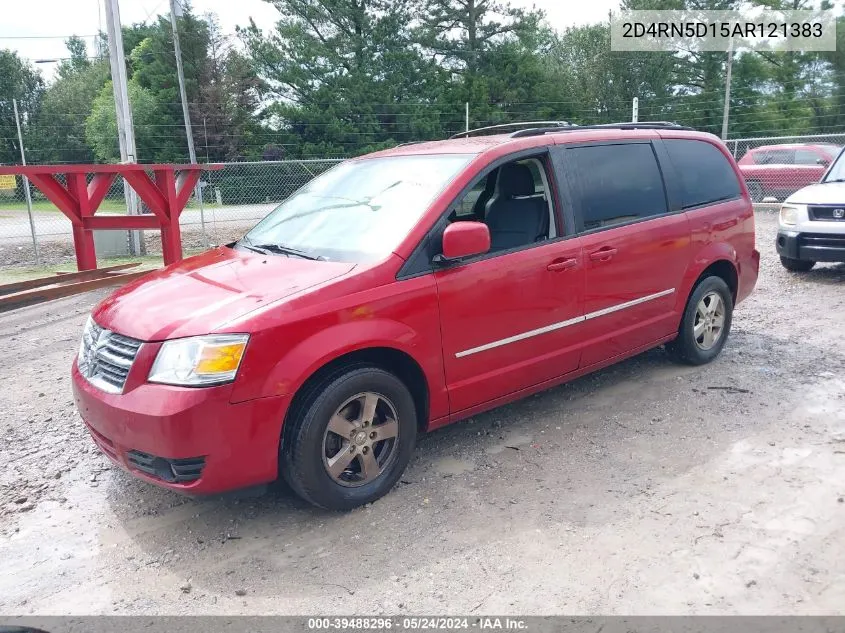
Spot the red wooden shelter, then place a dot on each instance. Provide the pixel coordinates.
(165, 193)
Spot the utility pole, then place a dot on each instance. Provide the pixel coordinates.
(635, 110)
(466, 115)
(26, 184)
(726, 112)
(176, 9)
(123, 111)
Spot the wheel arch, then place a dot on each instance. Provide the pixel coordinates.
(391, 359)
(721, 268)
(719, 259)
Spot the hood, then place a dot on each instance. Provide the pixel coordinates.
(822, 193)
(202, 293)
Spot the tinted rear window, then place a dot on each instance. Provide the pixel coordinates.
(618, 184)
(705, 174)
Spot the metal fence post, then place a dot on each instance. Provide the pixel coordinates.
(26, 186)
(202, 212)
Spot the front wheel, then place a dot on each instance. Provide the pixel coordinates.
(351, 439)
(797, 265)
(705, 324)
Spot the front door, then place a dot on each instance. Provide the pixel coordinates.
(509, 317)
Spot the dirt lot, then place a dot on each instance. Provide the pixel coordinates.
(646, 488)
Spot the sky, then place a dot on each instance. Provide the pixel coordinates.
(37, 28)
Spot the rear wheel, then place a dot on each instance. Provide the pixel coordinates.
(797, 265)
(351, 439)
(705, 324)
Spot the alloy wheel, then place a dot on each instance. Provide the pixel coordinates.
(709, 320)
(360, 441)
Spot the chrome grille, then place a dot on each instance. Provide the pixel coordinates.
(105, 357)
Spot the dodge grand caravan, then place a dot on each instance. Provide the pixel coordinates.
(411, 288)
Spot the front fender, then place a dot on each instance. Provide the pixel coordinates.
(316, 351)
(300, 361)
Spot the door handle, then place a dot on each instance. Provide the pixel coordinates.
(603, 255)
(563, 264)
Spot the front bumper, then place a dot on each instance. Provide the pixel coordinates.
(816, 247)
(204, 443)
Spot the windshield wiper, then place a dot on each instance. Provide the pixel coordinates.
(244, 241)
(834, 180)
(284, 250)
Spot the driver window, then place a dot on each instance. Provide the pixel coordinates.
(512, 201)
(465, 207)
(473, 205)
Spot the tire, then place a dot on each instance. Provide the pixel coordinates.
(797, 265)
(691, 349)
(755, 191)
(311, 447)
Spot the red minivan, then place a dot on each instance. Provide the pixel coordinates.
(411, 288)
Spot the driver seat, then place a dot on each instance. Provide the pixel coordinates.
(514, 219)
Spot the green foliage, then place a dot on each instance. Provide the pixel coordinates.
(226, 125)
(152, 64)
(101, 125)
(337, 72)
(18, 80)
(65, 106)
(335, 78)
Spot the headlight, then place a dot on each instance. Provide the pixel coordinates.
(199, 360)
(788, 215)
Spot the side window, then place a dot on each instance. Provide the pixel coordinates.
(512, 201)
(618, 184)
(474, 203)
(464, 210)
(809, 157)
(706, 175)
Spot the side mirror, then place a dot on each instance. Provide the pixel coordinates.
(464, 239)
(823, 161)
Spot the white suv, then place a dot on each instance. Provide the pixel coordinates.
(811, 227)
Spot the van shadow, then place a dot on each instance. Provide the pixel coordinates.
(617, 425)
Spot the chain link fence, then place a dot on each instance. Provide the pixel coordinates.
(775, 167)
(234, 199)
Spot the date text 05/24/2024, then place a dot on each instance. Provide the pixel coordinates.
(417, 624)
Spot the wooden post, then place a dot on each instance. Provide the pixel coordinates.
(171, 236)
(83, 238)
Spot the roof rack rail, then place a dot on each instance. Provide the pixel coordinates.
(494, 129)
(645, 125)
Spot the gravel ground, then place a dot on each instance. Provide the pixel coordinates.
(645, 488)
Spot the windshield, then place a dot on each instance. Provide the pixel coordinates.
(358, 211)
(836, 171)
